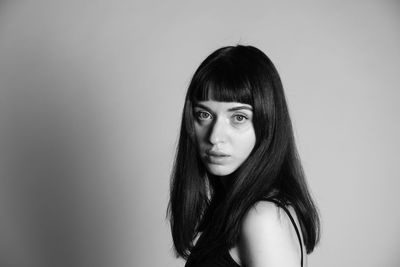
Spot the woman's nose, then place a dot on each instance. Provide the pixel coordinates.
(218, 132)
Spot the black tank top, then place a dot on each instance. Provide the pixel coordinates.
(224, 259)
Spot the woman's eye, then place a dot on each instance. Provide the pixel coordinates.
(202, 115)
(239, 119)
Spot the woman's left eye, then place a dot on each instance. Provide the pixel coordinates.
(239, 118)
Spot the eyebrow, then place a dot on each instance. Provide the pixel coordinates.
(230, 109)
(240, 107)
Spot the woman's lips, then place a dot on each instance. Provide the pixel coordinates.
(216, 157)
(216, 153)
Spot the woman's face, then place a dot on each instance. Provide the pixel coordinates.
(225, 134)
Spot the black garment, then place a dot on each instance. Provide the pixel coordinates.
(224, 259)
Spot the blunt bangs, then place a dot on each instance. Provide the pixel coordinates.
(221, 81)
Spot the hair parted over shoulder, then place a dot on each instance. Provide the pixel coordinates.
(273, 169)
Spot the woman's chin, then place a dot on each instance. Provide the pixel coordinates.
(219, 170)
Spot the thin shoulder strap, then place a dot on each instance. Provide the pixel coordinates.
(293, 222)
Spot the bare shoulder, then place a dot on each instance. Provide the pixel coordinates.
(268, 237)
(267, 213)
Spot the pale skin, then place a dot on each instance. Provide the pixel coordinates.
(268, 238)
(225, 136)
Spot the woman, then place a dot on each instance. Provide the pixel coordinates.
(238, 192)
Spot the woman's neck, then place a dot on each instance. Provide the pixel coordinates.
(223, 182)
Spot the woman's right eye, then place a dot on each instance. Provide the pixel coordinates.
(202, 115)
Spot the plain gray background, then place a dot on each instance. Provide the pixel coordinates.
(90, 104)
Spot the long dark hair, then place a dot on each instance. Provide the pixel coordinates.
(273, 170)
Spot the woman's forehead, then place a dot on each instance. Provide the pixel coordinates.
(221, 93)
